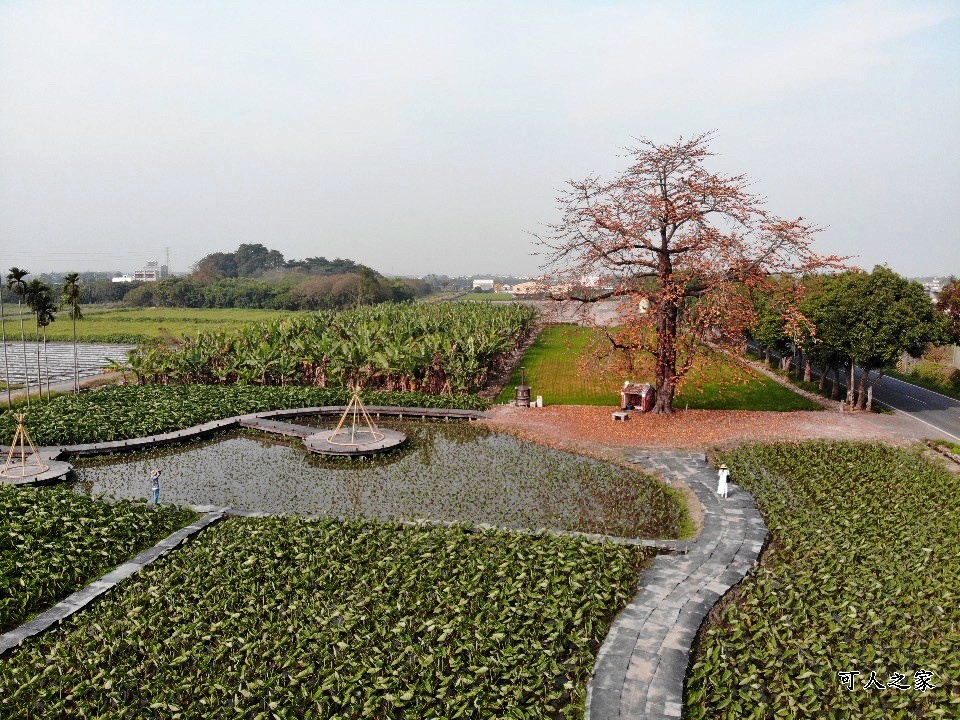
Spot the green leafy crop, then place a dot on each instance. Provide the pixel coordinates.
(119, 412)
(863, 575)
(53, 541)
(289, 618)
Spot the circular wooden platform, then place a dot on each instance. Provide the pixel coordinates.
(56, 469)
(320, 444)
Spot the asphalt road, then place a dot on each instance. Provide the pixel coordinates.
(933, 409)
(928, 407)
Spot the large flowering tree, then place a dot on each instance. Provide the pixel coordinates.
(682, 247)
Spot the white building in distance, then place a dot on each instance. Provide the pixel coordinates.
(152, 272)
(483, 285)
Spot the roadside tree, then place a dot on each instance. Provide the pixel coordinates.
(948, 303)
(681, 247)
(867, 321)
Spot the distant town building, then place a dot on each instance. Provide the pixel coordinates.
(933, 288)
(483, 285)
(151, 272)
(529, 288)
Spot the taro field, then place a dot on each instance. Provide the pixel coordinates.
(118, 412)
(53, 542)
(863, 576)
(290, 618)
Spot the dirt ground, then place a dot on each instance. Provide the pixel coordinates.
(593, 431)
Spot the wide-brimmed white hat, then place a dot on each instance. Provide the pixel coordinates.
(723, 466)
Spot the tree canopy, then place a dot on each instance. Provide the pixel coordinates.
(861, 319)
(682, 247)
(948, 302)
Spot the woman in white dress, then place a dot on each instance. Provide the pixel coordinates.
(722, 485)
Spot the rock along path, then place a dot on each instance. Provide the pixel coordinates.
(642, 665)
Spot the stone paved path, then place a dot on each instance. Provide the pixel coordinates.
(642, 665)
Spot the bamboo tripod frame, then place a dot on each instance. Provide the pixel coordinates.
(357, 412)
(12, 469)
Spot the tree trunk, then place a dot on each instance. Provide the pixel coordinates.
(46, 361)
(23, 341)
(808, 371)
(6, 360)
(851, 385)
(862, 390)
(835, 390)
(870, 391)
(823, 378)
(766, 356)
(39, 370)
(666, 356)
(76, 364)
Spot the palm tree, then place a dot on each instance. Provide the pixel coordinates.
(71, 300)
(6, 360)
(46, 309)
(16, 283)
(38, 297)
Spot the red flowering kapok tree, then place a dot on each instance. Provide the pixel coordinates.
(682, 247)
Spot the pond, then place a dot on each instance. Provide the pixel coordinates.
(456, 471)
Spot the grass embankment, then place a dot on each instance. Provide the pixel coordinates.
(53, 542)
(119, 412)
(555, 370)
(138, 325)
(863, 575)
(289, 618)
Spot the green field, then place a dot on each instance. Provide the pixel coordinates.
(862, 574)
(286, 618)
(475, 297)
(136, 325)
(554, 370)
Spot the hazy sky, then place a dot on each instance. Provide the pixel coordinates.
(433, 137)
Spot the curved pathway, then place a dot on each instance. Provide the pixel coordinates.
(642, 665)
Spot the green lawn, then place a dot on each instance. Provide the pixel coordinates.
(473, 297)
(286, 618)
(862, 574)
(554, 370)
(137, 325)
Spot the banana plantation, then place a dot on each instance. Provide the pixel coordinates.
(440, 348)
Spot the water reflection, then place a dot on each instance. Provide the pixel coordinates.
(447, 472)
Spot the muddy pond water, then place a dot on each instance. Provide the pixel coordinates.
(453, 471)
